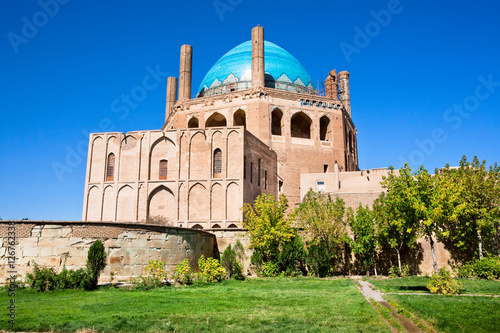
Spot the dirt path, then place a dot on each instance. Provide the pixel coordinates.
(368, 291)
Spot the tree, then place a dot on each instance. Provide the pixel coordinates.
(364, 243)
(395, 213)
(267, 226)
(96, 261)
(468, 205)
(324, 222)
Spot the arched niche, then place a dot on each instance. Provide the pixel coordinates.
(216, 120)
(239, 118)
(300, 126)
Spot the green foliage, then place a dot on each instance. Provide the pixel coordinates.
(269, 269)
(183, 273)
(468, 208)
(399, 211)
(154, 276)
(319, 260)
(267, 226)
(443, 283)
(364, 244)
(292, 257)
(324, 220)
(487, 268)
(69, 279)
(96, 261)
(230, 261)
(42, 279)
(394, 271)
(46, 279)
(210, 270)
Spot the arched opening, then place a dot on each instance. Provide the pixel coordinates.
(197, 227)
(110, 169)
(163, 169)
(232, 226)
(216, 120)
(217, 163)
(193, 123)
(239, 118)
(300, 126)
(324, 124)
(276, 122)
(216, 226)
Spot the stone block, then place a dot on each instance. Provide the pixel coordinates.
(138, 270)
(46, 251)
(30, 252)
(36, 231)
(128, 270)
(139, 243)
(156, 243)
(115, 260)
(76, 261)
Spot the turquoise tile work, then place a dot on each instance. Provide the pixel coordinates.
(282, 70)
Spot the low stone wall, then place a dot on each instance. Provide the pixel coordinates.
(129, 246)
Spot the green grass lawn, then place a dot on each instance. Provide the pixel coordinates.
(417, 284)
(255, 305)
(448, 313)
(454, 313)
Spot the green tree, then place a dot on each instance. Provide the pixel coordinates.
(96, 261)
(467, 206)
(395, 212)
(364, 244)
(267, 226)
(324, 222)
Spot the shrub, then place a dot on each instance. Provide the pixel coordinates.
(46, 279)
(183, 273)
(156, 269)
(487, 268)
(69, 279)
(96, 261)
(269, 269)
(319, 260)
(292, 257)
(443, 283)
(154, 276)
(395, 272)
(230, 262)
(210, 270)
(42, 279)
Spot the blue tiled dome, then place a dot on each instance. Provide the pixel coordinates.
(282, 71)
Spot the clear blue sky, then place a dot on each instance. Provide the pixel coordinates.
(425, 79)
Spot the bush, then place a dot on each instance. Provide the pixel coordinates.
(46, 279)
(395, 272)
(42, 279)
(230, 262)
(269, 269)
(69, 279)
(487, 268)
(154, 276)
(183, 273)
(319, 260)
(96, 261)
(292, 257)
(210, 270)
(443, 283)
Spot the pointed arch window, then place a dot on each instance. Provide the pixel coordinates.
(110, 170)
(217, 163)
(163, 169)
(276, 122)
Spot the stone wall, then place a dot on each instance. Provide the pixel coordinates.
(129, 246)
